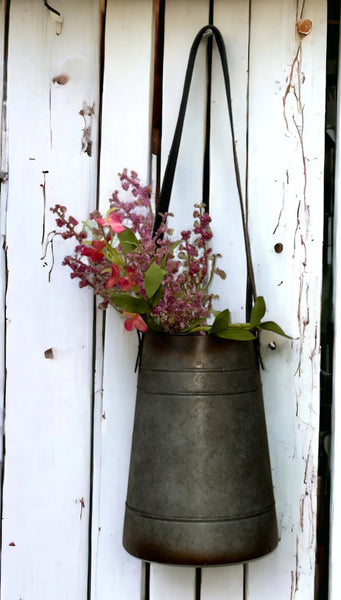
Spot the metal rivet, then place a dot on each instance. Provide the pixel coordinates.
(278, 248)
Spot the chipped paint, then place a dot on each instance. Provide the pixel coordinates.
(293, 114)
(87, 113)
(295, 186)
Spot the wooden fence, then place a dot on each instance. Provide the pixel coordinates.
(68, 368)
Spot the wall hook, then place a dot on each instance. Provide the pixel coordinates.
(56, 17)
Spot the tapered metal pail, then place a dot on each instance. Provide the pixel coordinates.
(200, 488)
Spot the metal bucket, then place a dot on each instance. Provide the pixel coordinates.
(200, 489)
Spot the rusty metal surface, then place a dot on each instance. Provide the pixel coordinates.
(200, 489)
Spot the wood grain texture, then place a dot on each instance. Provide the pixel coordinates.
(286, 157)
(335, 530)
(183, 21)
(49, 324)
(3, 209)
(125, 143)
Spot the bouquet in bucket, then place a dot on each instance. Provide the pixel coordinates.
(156, 282)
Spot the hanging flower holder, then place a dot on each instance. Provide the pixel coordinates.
(200, 489)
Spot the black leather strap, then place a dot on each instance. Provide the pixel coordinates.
(168, 179)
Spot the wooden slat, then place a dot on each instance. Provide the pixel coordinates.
(222, 583)
(3, 207)
(125, 143)
(286, 155)
(183, 20)
(168, 582)
(335, 526)
(49, 324)
(232, 19)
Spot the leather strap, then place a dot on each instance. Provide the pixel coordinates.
(168, 179)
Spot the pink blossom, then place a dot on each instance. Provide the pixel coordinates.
(134, 320)
(113, 221)
(115, 276)
(129, 281)
(94, 250)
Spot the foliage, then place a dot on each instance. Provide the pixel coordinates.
(157, 283)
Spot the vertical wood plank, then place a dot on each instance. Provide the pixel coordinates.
(222, 583)
(125, 143)
(49, 324)
(232, 19)
(335, 519)
(182, 22)
(286, 157)
(168, 582)
(3, 209)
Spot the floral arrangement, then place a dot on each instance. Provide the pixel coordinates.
(156, 283)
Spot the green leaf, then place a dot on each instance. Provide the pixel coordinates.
(130, 304)
(128, 240)
(242, 335)
(172, 248)
(154, 301)
(272, 326)
(257, 312)
(221, 322)
(152, 279)
(153, 325)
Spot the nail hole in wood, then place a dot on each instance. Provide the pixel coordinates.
(61, 79)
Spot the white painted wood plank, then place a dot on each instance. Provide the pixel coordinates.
(232, 20)
(3, 209)
(335, 517)
(171, 582)
(183, 20)
(222, 583)
(125, 143)
(286, 155)
(49, 332)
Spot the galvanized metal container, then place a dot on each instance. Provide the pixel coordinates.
(200, 489)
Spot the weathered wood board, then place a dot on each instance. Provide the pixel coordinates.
(46, 490)
(3, 206)
(286, 161)
(335, 531)
(125, 143)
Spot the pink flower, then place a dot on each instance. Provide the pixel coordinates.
(129, 281)
(94, 251)
(115, 276)
(134, 320)
(112, 221)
